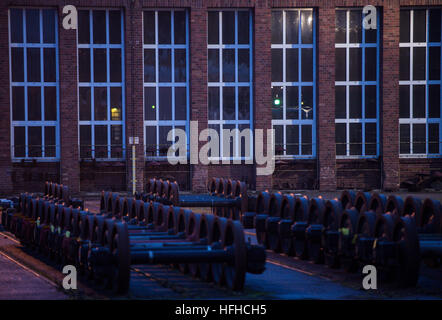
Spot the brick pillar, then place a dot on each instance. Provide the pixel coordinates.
(5, 125)
(325, 137)
(263, 81)
(198, 79)
(69, 156)
(134, 91)
(390, 96)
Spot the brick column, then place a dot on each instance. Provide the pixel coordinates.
(390, 96)
(198, 80)
(134, 91)
(5, 125)
(67, 57)
(263, 81)
(325, 137)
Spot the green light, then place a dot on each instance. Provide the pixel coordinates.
(153, 107)
(277, 102)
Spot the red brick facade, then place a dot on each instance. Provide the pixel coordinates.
(325, 172)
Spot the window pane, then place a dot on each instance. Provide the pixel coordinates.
(180, 27)
(341, 26)
(306, 133)
(50, 94)
(85, 142)
(18, 103)
(341, 138)
(404, 138)
(243, 65)
(419, 138)
(404, 63)
(292, 102)
(32, 25)
(355, 102)
(214, 103)
(419, 58)
(292, 65)
(371, 34)
(34, 103)
(276, 27)
(292, 27)
(83, 26)
(340, 102)
(99, 25)
(229, 65)
(307, 103)
(84, 65)
(101, 142)
(340, 58)
(151, 141)
(149, 27)
(164, 27)
(116, 108)
(307, 65)
(48, 26)
(100, 103)
(213, 65)
(370, 102)
(355, 64)
(229, 103)
(85, 103)
(180, 65)
(115, 65)
(150, 103)
(165, 71)
(277, 105)
(17, 64)
(163, 143)
(149, 65)
(243, 27)
(277, 65)
(370, 139)
(19, 142)
(100, 71)
(228, 27)
(292, 138)
(405, 26)
(418, 101)
(180, 103)
(114, 27)
(370, 64)
(116, 141)
(355, 26)
(50, 72)
(34, 141)
(434, 61)
(33, 61)
(279, 140)
(165, 104)
(434, 25)
(434, 101)
(355, 138)
(213, 27)
(243, 103)
(50, 142)
(404, 101)
(433, 138)
(306, 27)
(16, 22)
(419, 29)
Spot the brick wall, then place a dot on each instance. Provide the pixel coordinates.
(325, 173)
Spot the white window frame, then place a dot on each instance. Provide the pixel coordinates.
(108, 84)
(220, 84)
(347, 121)
(284, 84)
(157, 84)
(411, 121)
(42, 84)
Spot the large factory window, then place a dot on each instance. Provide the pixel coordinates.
(101, 84)
(357, 86)
(34, 96)
(294, 82)
(420, 83)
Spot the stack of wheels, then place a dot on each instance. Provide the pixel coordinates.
(262, 208)
(157, 190)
